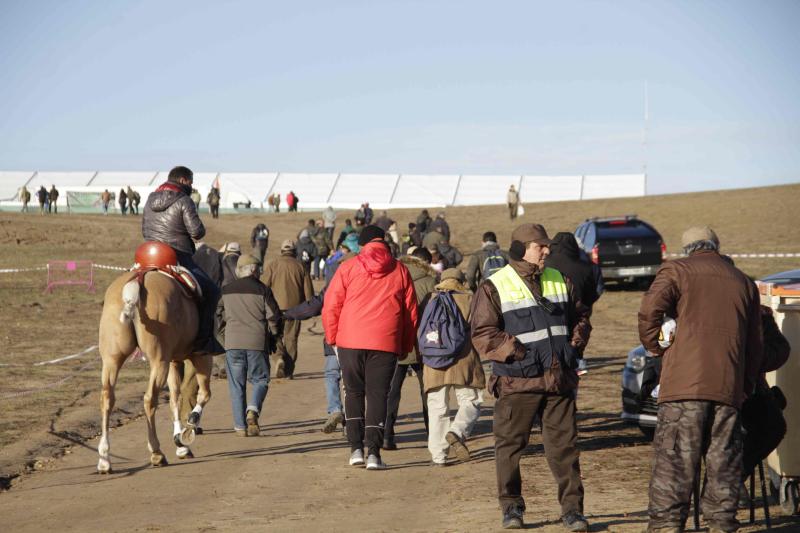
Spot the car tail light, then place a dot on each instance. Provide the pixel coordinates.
(595, 254)
(663, 252)
(617, 222)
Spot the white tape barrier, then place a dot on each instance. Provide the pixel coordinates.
(54, 361)
(751, 256)
(34, 269)
(49, 386)
(111, 267)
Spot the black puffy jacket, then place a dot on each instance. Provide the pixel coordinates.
(170, 216)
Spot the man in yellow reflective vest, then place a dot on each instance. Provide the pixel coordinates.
(528, 321)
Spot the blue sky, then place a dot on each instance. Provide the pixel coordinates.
(416, 87)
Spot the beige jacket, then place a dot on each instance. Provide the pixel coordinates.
(467, 370)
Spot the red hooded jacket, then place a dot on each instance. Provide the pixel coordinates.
(370, 303)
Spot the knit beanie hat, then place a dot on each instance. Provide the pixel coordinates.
(370, 233)
(351, 241)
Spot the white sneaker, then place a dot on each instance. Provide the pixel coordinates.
(357, 458)
(375, 463)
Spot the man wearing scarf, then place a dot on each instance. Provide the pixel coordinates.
(528, 321)
(170, 216)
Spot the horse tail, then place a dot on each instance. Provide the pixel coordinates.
(130, 299)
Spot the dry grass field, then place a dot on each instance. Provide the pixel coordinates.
(52, 415)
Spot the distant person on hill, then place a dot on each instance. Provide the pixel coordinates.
(329, 221)
(42, 197)
(486, 261)
(271, 203)
(347, 230)
(360, 217)
(213, 202)
(292, 200)
(276, 202)
(512, 199)
(383, 221)
(122, 199)
(424, 221)
(25, 197)
(441, 224)
(322, 248)
(196, 198)
(259, 241)
(53, 197)
(370, 316)
(105, 200)
(433, 238)
(451, 254)
(412, 238)
(368, 214)
(134, 198)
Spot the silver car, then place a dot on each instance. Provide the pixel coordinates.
(640, 378)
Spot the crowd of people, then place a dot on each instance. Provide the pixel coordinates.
(392, 306)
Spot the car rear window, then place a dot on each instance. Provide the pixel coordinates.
(630, 230)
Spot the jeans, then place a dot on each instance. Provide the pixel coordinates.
(252, 366)
(333, 376)
(211, 294)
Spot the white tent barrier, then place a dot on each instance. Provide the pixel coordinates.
(250, 190)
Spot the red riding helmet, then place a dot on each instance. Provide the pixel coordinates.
(154, 254)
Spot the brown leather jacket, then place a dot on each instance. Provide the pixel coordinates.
(718, 347)
(492, 342)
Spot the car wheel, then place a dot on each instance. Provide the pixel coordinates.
(648, 431)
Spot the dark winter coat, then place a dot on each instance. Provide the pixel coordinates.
(565, 257)
(171, 217)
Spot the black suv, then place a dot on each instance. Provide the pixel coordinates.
(625, 248)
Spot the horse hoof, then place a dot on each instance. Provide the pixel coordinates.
(184, 453)
(193, 420)
(158, 459)
(187, 436)
(103, 466)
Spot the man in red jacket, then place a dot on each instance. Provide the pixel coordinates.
(370, 318)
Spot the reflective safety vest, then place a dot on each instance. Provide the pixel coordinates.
(543, 333)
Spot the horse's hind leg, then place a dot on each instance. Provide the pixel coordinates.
(158, 376)
(202, 365)
(111, 366)
(174, 382)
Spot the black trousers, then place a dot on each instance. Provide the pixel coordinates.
(393, 403)
(367, 376)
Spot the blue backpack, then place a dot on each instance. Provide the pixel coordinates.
(442, 332)
(493, 262)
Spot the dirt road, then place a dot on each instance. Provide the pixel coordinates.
(295, 478)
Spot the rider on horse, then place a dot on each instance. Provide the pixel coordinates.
(170, 217)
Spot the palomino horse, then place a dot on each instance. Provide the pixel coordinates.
(161, 319)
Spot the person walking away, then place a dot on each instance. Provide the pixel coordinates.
(213, 199)
(291, 285)
(707, 372)
(347, 230)
(250, 317)
(277, 203)
(370, 316)
(322, 248)
(259, 241)
(53, 197)
(424, 279)
(135, 199)
(360, 217)
(129, 193)
(464, 377)
(230, 257)
(384, 222)
(306, 250)
(528, 321)
(196, 198)
(565, 257)
(442, 225)
(433, 239)
(42, 197)
(123, 201)
(290, 198)
(369, 214)
(170, 217)
(451, 254)
(312, 308)
(486, 261)
(105, 199)
(424, 221)
(329, 222)
(512, 199)
(25, 197)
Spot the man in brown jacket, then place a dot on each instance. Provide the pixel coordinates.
(291, 285)
(527, 320)
(707, 372)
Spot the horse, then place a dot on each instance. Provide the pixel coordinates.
(152, 311)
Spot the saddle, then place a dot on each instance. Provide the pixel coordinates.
(158, 257)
